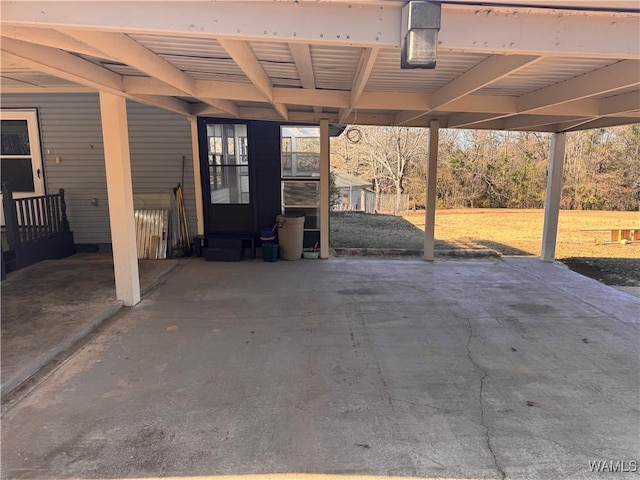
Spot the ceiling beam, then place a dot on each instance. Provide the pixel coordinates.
(301, 54)
(493, 107)
(532, 122)
(51, 38)
(620, 104)
(469, 28)
(228, 90)
(585, 107)
(491, 70)
(304, 96)
(247, 92)
(241, 53)
(371, 100)
(203, 88)
(626, 105)
(481, 104)
(365, 66)
(614, 77)
(223, 105)
(366, 118)
(618, 76)
(147, 85)
(310, 117)
(244, 57)
(61, 64)
(466, 120)
(116, 47)
(207, 109)
(602, 122)
(258, 113)
(27, 88)
(166, 103)
(126, 50)
(122, 48)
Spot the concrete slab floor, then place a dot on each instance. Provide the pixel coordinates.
(46, 307)
(460, 368)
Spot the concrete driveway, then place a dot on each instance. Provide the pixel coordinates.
(464, 369)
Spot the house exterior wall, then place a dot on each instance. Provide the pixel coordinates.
(70, 128)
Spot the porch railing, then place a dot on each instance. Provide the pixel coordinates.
(36, 229)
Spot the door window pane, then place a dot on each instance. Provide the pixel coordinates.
(229, 184)
(15, 137)
(18, 173)
(228, 164)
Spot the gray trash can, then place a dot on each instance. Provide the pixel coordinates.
(290, 236)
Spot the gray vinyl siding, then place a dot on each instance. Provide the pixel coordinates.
(70, 128)
(158, 140)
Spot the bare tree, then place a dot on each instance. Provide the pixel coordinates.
(498, 169)
(392, 150)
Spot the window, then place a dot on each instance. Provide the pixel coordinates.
(228, 163)
(20, 152)
(300, 173)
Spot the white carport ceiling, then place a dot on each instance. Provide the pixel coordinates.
(529, 65)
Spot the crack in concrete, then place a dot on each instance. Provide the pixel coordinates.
(364, 332)
(503, 475)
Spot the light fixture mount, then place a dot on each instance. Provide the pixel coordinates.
(420, 26)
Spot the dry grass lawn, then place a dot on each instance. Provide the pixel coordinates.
(511, 231)
(508, 231)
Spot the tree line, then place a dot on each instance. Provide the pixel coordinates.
(490, 169)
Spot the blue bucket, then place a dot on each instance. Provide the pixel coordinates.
(267, 232)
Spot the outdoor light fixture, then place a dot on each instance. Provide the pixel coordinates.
(420, 25)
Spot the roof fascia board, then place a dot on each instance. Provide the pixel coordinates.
(469, 28)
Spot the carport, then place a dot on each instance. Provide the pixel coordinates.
(553, 66)
(500, 368)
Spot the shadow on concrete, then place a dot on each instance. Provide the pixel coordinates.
(500, 248)
(358, 233)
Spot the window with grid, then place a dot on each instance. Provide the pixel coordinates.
(300, 173)
(228, 163)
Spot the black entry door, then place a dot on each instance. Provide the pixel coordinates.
(226, 176)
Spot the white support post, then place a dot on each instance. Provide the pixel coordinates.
(552, 202)
(432, 174)
(115, 132)
(324, 189)
(197, 182)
